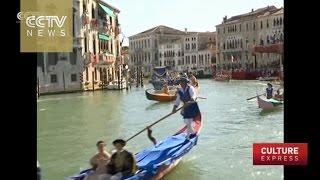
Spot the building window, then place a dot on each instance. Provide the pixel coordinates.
(53, 78)
(149, 43)
(40, 61)
(218, 30)
(95, 74)
(224, 30)
(94, 45)
(247, 27)
(267, 23)
(254, 26)
(73, 77)
(87, 74)
(261, 26)
(73, 57)
(274, 22)
(240, 27)
(52, 58)
(280, 21)
(93, 13)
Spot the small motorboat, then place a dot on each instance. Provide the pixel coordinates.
(267, 104)
(158, 95)
(158, 160)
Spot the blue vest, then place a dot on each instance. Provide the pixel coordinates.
(269, 93)
(192, 110)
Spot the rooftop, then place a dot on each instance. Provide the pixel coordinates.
(255, 13)
(162, 29)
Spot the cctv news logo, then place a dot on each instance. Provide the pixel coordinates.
(37, 25)
(280, 154)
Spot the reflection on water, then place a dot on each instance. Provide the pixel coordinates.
(69, 126)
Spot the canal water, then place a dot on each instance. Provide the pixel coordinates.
(69, 126)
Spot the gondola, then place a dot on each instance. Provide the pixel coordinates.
(157, 161)
(158, 95)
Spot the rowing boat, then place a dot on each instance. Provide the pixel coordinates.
(266, 104)
(158, 95)
(158, 160)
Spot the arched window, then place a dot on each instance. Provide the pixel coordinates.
(261, 25)
(93, 13)
(267, 23)
(94, 45)
(280, 21)
(241, 44)
(274, 22)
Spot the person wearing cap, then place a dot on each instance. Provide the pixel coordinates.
(99, 161)
(122, 163)
(269, 91)
(187, 95)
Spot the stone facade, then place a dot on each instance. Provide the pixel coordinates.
(144, 47)
(237, 36)
(97, 50)
(199, 51)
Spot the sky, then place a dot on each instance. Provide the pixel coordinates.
(195, 15)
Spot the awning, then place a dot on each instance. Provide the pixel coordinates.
(273, 48)
(103, 36)
(107, 10)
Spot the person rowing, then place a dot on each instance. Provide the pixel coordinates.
(269, 91)
(187, 95)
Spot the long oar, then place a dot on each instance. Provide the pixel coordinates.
(164, 117)
(255, 96)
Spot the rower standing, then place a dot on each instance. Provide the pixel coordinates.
(269, 91)
(187, 94)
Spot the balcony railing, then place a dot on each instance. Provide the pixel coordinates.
(87, 58)
(106, 59)
(85, 20)
(94, 23)
(94, 59)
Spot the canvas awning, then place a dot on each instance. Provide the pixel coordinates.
(107, 10)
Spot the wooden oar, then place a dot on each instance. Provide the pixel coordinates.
(255, 96)
(164, 117)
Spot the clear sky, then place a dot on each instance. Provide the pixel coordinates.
(195, 15)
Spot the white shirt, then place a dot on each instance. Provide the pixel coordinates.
(192, 93)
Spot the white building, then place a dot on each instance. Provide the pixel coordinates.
(199, 51)
(94, 60)
(171, 55)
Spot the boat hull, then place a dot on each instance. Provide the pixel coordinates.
(266, 105)
(156, 95)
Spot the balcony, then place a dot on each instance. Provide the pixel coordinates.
(94, 59)
(85, 20)
(94, 23)
(106, 59)
(87, 58)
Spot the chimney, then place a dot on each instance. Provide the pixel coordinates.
(251, 10)
(185, 30)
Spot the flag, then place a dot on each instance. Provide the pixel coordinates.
(232, 58)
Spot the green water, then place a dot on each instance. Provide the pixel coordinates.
(69, 125)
